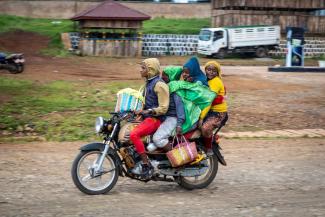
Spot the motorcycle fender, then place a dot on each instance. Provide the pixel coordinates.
(216, 151)
(93, 146)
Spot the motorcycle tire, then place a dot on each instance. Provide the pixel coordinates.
(77, 179)
(15, 69)
(20, 69)
(186, 182)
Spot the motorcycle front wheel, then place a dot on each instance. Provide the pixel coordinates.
(14, 68)
(87, 180)
(202, 181)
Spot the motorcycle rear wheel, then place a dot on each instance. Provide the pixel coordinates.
(81, 173)
(199, 182)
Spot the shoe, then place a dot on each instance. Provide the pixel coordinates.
(147, 171)
(137, 169)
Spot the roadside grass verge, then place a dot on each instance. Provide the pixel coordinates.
(56, 111)
(175, 26)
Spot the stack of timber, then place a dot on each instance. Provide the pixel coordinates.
(270, 4)
(297, 13)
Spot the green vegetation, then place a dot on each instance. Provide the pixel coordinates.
(175, 26)
(48, 27)
(56, 111)
(52, 28)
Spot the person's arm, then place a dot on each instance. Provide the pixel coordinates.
(216, 85)
(162, 91)
(180, 111)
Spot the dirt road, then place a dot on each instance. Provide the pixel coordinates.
(263, 178)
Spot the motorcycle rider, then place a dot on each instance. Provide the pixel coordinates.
(156, 94)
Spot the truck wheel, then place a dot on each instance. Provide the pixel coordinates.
(261, 52)
(221, 54)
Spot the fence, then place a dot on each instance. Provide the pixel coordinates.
(185, 45)
(169, 44)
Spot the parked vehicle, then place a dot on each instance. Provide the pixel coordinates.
(98, 165)
(14, 63)
(218, 42)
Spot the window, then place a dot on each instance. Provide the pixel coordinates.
(217, 35)
(205, 35)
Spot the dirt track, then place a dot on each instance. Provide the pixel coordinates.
(263, 178)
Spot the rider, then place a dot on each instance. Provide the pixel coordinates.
(175, 116)
(217, 116)
(156, 94)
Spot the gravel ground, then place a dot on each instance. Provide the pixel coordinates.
(263, 178)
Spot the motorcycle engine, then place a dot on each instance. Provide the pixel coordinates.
(130, 156)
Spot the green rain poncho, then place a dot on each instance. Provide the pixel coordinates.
(196, 97)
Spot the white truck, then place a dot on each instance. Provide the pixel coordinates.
(218, 42)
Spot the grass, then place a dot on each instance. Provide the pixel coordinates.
(52, 28)
(44, 27)
(56, 111)
(175, 26)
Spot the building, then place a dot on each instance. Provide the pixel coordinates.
(308, 14)
(110, 29)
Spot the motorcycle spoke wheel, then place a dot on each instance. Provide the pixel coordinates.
(87, 181)
(203, 180)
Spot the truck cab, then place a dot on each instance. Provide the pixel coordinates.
(211, 40)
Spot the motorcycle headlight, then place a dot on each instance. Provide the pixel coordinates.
(99, 124)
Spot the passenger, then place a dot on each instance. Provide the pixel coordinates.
(156, 94)
(195, 96)
(193, 73)
(217, 115)
(175, 116)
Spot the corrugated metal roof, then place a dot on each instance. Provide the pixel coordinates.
(110, 10)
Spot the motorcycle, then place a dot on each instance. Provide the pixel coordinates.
(14, 63)
(98, 166)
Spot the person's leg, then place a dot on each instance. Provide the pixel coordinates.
(147, 127)
(160, 138)
(210, 124)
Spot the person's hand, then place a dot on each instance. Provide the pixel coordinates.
(178, 130)
(146, 112)
(138, 112)
(189, 79)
